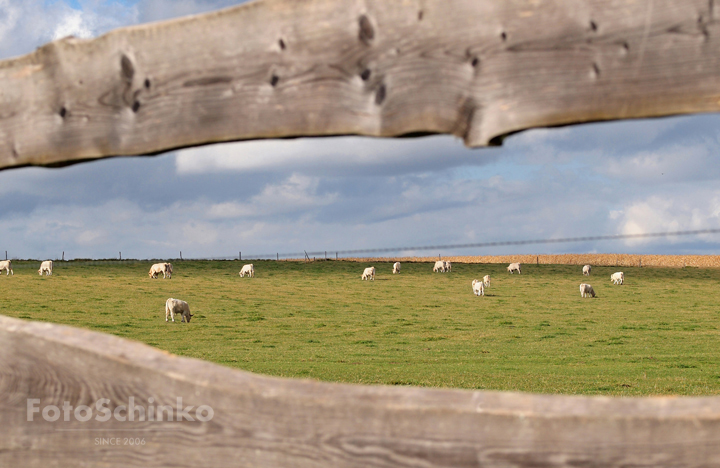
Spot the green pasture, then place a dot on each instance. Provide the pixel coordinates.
(655, 335)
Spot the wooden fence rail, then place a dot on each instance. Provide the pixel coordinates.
(272, 422)
(478, 69)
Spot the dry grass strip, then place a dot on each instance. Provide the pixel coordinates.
(677, 261)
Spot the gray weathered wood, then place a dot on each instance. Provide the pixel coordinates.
(478, 69)
(271, 422)
(281, 68)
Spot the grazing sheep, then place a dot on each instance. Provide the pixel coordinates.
(586, 270)
(368, 274)
(586, 290)
(168, 269)
(514, 267)
(486, 280)
(46, 267)
(448, 266)
(249, 270)
(618, 277)
(478, 287)
(7, 265)
(158, 268)
(176, 306)
(439, 266)
(396, 267)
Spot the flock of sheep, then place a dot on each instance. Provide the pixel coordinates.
(46, 267)
(172, 306)
(586, 290)
(478, 287)
(176, 306)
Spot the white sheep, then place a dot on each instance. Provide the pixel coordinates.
(7, 265)
(514, 267)
(586, 270)
(448, 266)
(176, 306)
(46, 267)
(368, 274)
(486, 280)
(396, 267)
(248, 270)
(478, 287)
(439, 266)
(617, 277)
(158, 268)
(586, 290)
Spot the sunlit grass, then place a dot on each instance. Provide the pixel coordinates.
(655, 335)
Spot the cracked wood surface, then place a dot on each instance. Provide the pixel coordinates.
(272, 422)
(477, 69)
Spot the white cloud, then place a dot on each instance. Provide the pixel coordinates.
(648, 216)
(327, 155)
(615, 214)
(9, 16)
(73, 23)
(92, 237)
(668, 164)
(540, 136)
(689, 210)
(295, 194)
(199, 233)
(28, 24)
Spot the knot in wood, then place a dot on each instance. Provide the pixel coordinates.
(127, 70)
(380, 94)
(367, 32)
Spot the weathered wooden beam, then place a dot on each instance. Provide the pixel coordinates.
(478, 69)
(271, 422)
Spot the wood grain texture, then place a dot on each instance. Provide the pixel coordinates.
(477, 69)
(271, 422)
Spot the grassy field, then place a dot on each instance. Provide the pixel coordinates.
(655, 335)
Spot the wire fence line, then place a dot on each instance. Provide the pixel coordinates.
(336, 253)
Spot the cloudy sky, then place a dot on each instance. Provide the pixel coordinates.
(355, 193)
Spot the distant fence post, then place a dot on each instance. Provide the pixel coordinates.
(277, 256)
(120, 255)
(63, 257)
(335, 255)
(240, 255)
(537, 260)
(181, 255)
